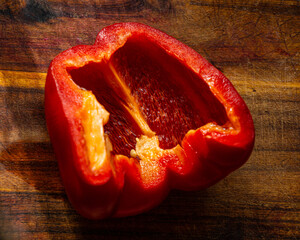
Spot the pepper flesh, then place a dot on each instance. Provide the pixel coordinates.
(137, 114)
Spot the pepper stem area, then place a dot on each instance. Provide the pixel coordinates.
(128, 102)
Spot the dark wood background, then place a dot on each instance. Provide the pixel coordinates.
(254, 42)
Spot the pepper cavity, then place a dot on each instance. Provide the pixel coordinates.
(148, 93)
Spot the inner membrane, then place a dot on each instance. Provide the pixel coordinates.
(142, 82)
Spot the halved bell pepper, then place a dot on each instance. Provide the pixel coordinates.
(138, 114)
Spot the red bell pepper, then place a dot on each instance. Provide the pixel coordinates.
(137, 114)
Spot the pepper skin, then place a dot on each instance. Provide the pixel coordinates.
(137, 114)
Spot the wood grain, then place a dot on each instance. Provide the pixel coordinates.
(255, 43)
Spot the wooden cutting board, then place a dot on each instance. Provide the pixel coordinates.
(255, 43)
